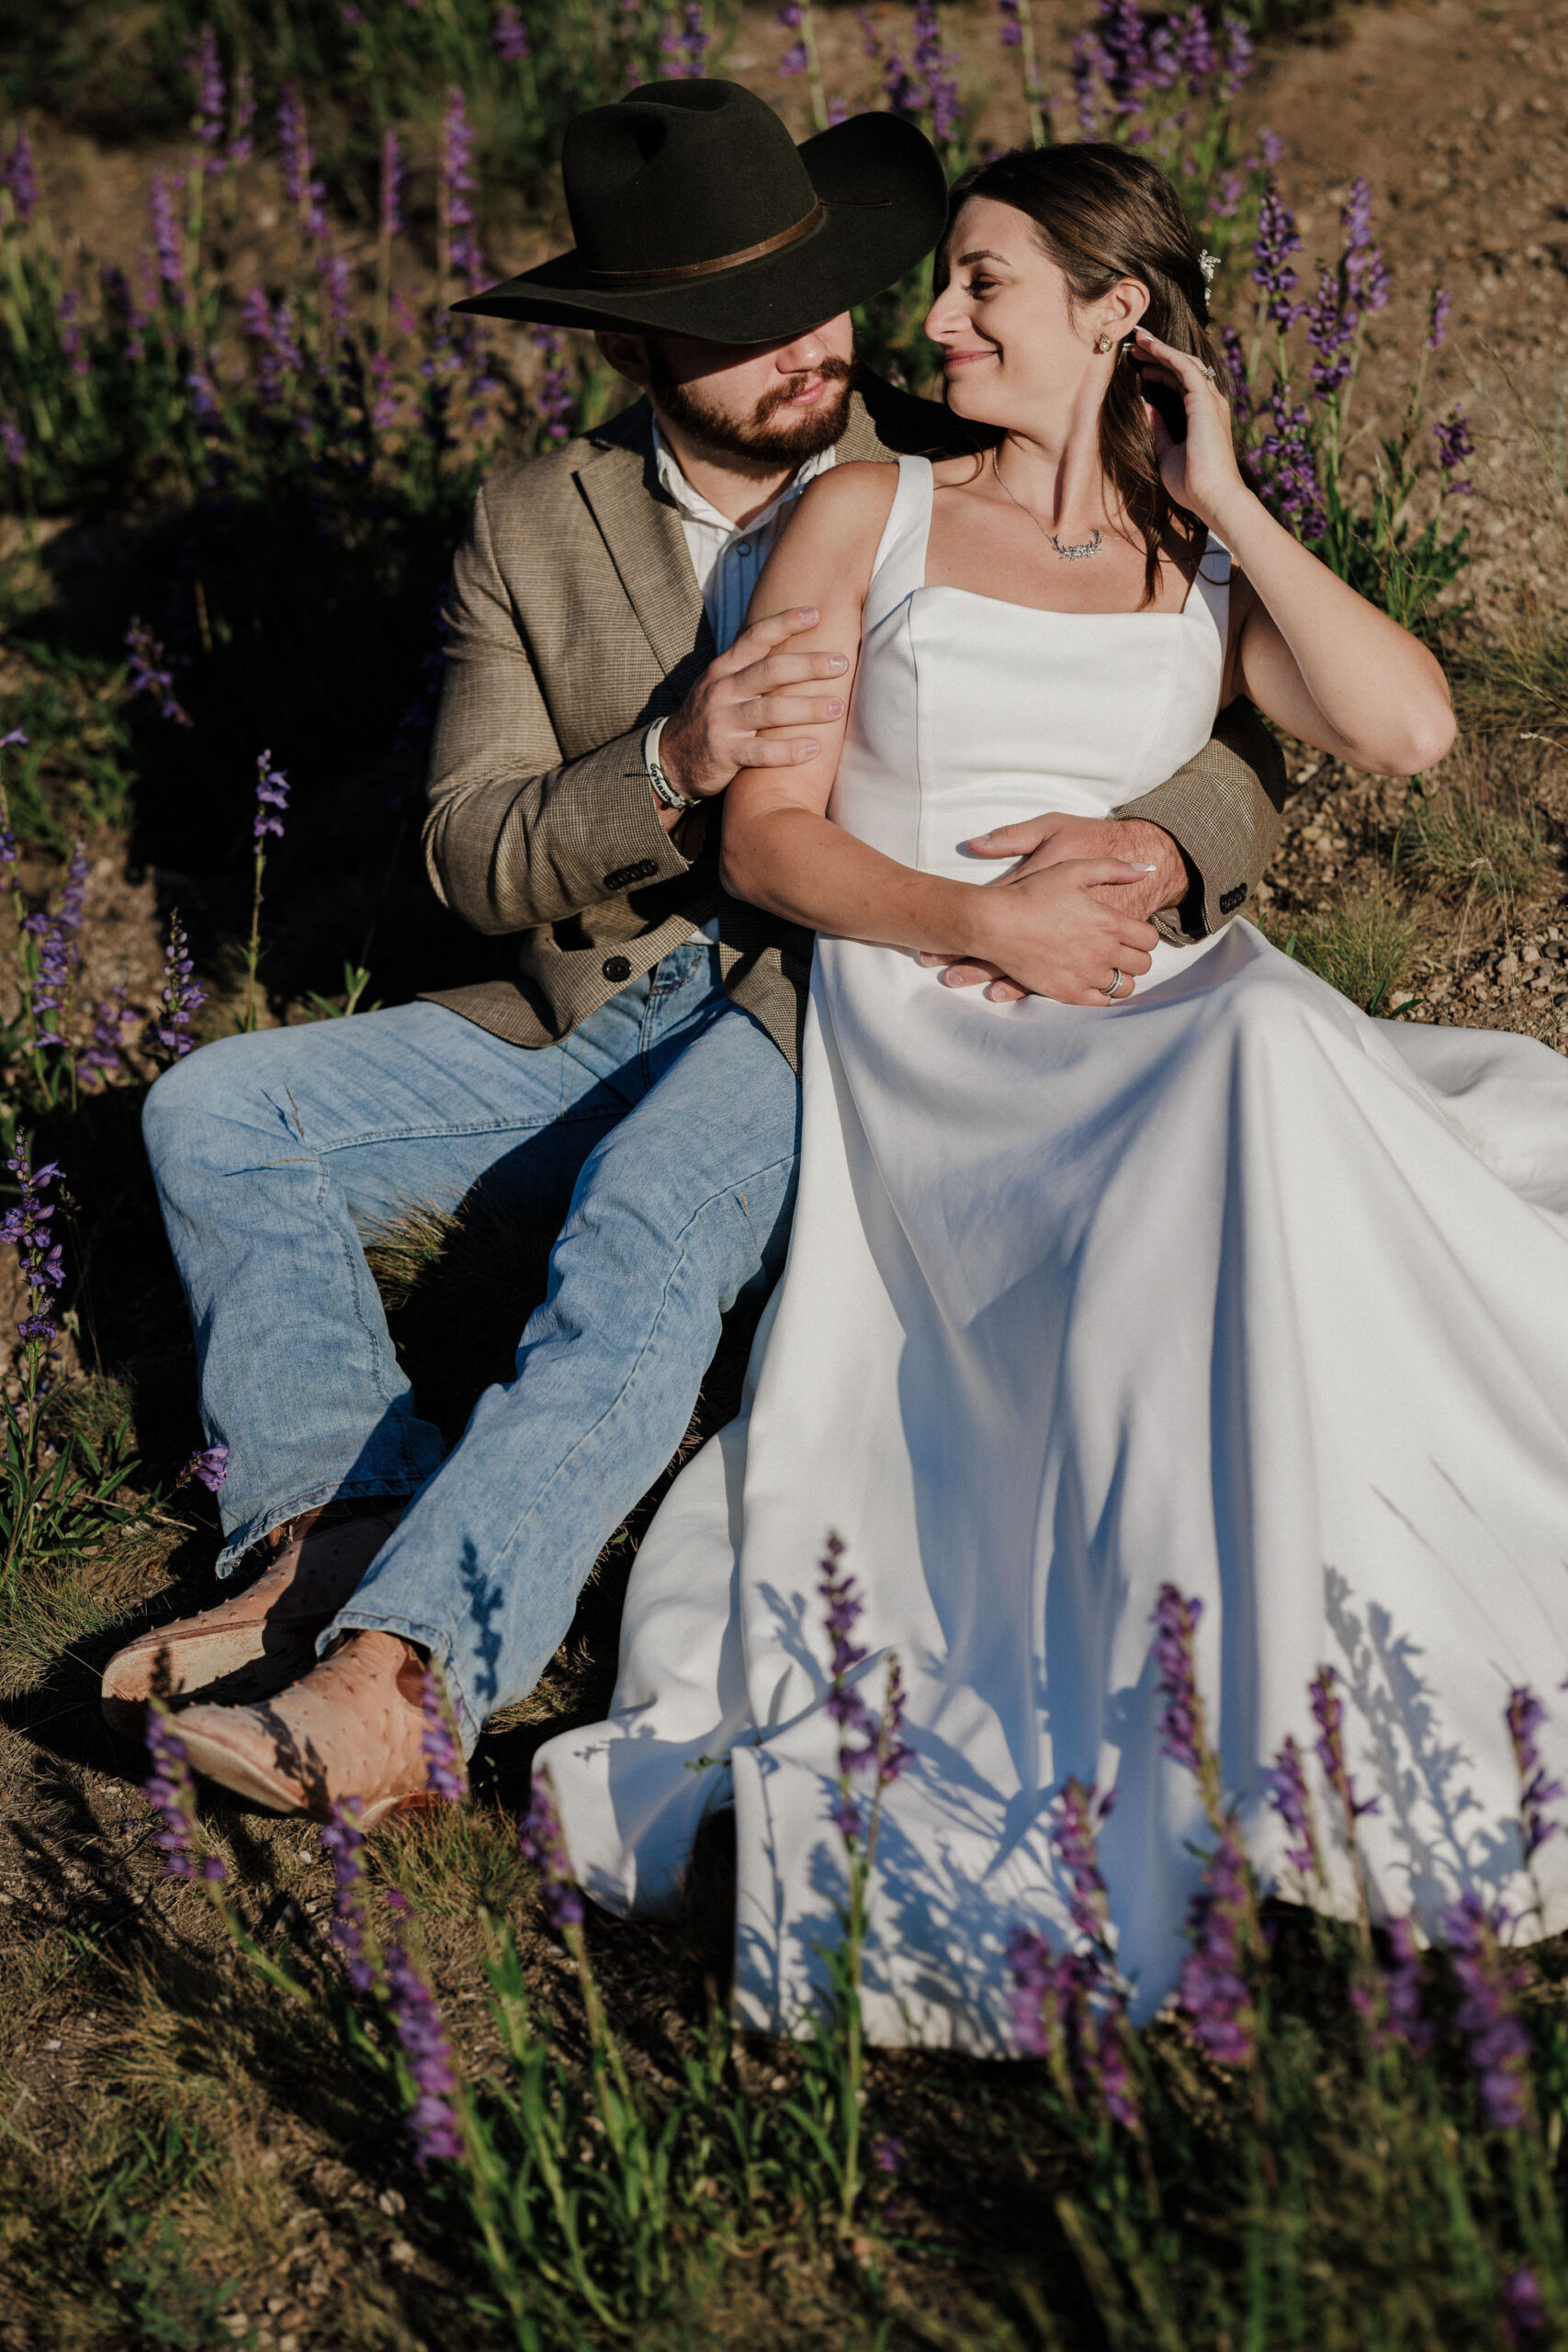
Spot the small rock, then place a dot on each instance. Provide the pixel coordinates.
(401, 2253)
(392, 2201)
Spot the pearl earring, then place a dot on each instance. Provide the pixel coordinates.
(1102, 342)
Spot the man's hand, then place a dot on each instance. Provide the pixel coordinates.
(723, 724)
(1040, 843)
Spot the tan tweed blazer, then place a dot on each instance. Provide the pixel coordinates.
(576, 620)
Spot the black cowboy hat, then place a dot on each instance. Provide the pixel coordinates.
(695, 213)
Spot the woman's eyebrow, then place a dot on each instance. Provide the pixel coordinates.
(981, 253)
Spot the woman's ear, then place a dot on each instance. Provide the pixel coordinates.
(1124, 306)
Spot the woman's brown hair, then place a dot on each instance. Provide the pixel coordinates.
(1103, 213)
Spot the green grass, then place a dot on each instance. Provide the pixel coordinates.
(1361, 945)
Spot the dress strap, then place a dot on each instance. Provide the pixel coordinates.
(1211, 591)
(900, 565)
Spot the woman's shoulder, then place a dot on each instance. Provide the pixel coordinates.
(854, 496)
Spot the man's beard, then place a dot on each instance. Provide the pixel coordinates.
(765, 437)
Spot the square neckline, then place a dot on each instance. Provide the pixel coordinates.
(925, 587)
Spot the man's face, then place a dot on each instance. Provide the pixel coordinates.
(776, 404)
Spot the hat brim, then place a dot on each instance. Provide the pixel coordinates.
(883, 199)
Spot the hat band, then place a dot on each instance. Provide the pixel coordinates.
(618, 280)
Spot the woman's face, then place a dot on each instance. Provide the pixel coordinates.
(1012, 348)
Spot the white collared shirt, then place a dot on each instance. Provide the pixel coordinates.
(726, 557)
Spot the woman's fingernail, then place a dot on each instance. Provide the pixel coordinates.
(1145, 869)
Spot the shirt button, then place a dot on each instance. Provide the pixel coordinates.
(744, 547)
(616, 968)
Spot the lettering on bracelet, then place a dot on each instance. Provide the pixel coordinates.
(1232, 898)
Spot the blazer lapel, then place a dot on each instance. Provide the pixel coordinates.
(642, 532)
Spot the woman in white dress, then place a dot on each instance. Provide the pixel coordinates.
(1197, 1276)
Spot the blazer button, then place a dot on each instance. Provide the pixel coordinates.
(616, 968)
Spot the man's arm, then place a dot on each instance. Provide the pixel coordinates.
(1222, 811)
(516, 836)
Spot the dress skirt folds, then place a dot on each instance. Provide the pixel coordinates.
(1223, 1285)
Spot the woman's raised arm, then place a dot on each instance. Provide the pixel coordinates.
(1316, 657)
(781, 852)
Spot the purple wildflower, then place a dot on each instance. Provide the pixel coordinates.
(424, 2044)
(25, 1230)
(1523, 2315)
(392, 184)
(1239, 60)
(205, 68)
(1331, 321)
(1085, 82)
(1402, 1988)
(344, 1840)
(1076, 1814)
(555, 405)
(1237, 381)
(1277, 237)
(1181, 1718)
(1213, 1989)
(457, 188)
(1454, 445)
(1197, 50)
(544, 1845)
(299, 182)
(1032, 1967)
(170, 1027)
(209, 1467)
(870, 39)
(449, 1777)
(166, 237)
(933, 60)
(1070, 2012)
(1285, 1780)
(509, 37)
(837, 111)
(1438, 325)
(1328, 1714)
(1227, 196)
(71, 345)
(1273, 148)
(383, 406)
(1488, 2017)
(149, 672)
(880, 1744)
(1537, 1790)
(1012, 28)
(1365, 276)
(900, 87)
(272, 799)
(1292, 484)
(887, 2153)
(17, 176)
(168, 1786)
(13, 441)
(241, 115)
(104, 1057)
(694, 40)
(58, 954)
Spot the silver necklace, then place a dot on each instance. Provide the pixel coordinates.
(1074, 549)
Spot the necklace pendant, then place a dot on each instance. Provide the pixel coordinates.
(1071, 553)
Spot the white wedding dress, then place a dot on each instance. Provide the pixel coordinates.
(1224, 1285)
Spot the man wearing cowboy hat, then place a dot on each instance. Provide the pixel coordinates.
(637, 1074)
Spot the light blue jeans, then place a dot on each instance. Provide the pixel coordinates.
(664, 1132)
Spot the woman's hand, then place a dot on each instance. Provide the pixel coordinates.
(1044, 932)
(1201, 473)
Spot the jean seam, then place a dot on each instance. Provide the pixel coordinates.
(723, 1192)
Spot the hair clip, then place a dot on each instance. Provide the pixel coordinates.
(1208, 263)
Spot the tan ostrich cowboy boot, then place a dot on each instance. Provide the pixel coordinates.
(266, 1633)
(354, 1727)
